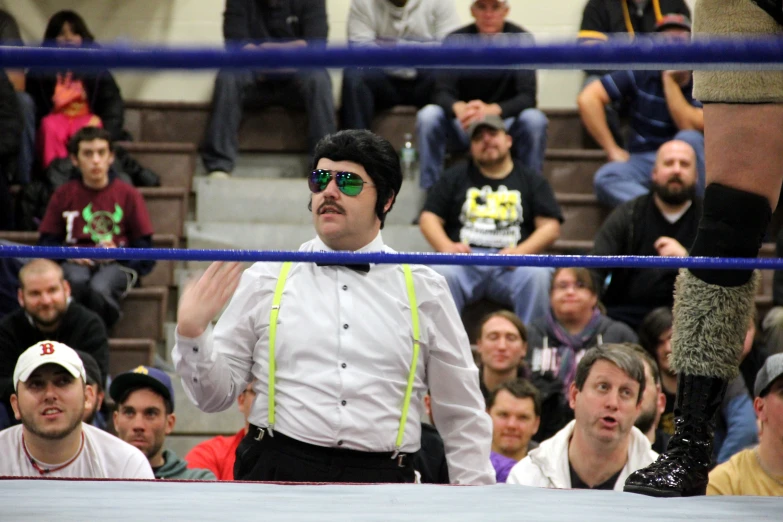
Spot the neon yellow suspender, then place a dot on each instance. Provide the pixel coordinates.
(411, 374)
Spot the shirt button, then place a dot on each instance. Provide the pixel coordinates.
(344, 403)
(344, 365)
(339, 443)
(345, 326)
(345, 287)
(195, 349)
(195, 379)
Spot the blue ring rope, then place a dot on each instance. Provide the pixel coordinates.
(178, 254)
(642, 53)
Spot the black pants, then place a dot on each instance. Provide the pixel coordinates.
(283, 459)
(368, 91)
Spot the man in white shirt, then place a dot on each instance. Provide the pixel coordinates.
(601, 447)
(334, 405)
(387, 23)
(52, 441)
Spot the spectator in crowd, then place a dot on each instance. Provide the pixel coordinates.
(284, 24)
(66, 101)
(9, 281)
(655, 336)
(736, 427)
(604, 19)
(48, 314)
(574, 324)
(430, 461)
(493, 203)
(464, 97)
(145, 416)
(653, 402)
(515, 409)
(22, 167)
(385, 23)
(772, 325)
(758, 471)
(10, 133)
(218, 454)
(601, 446)
(93, 413)
(52, 441)
(98, 210)
(355, 182)
(502, 345)
(662, 223)
(662, 109)
(754, 353)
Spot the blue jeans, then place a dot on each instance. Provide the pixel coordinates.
(239, 90)
(523, 289)
(621, 181)
(437, 133)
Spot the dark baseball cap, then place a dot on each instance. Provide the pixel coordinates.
(768, 374)
(91, 367)
(673, 21)
(142, 377)
(490, 120)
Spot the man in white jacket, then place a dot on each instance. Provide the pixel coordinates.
(601, 446)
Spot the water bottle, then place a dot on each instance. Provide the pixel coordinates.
(408, 157)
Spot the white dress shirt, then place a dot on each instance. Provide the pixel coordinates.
(343, 353)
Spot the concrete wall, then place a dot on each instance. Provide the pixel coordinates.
(181, 22)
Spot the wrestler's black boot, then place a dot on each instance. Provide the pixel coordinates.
(682, 470)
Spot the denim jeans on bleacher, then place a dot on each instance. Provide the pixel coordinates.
(235, 91)
(524, 289)
(437, 134)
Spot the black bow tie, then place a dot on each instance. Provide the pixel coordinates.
(359, 267)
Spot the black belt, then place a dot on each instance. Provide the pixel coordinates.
(345, 456)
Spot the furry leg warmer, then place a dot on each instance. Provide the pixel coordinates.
(710, 322)
(735, 18)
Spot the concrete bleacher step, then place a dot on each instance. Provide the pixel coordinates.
(167, 207)
(275, 129)
(572, 170)
(143, 314)
(174, 162)
(278, 200)
(286, 236)
(126, 354)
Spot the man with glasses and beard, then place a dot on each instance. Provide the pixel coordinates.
(48, 313)
(662, 223)
(52, 441)
(342, 354)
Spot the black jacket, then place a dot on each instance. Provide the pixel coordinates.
(514, 90)
(103, 97)
(80, 329)
(254, 21)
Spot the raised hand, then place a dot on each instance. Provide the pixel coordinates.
(204, 297)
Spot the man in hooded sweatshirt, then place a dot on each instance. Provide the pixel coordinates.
(145, 415)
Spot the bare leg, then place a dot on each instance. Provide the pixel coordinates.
(743, 121)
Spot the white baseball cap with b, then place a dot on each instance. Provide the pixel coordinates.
(48, 352)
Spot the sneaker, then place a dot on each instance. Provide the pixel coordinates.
(219, 174)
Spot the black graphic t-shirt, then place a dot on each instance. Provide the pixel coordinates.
(491, 213)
